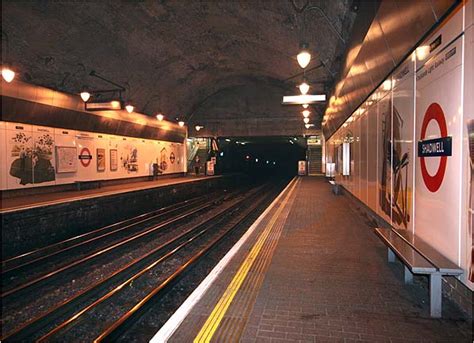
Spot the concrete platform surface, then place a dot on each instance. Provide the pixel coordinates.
(313, 271)
(32, 201)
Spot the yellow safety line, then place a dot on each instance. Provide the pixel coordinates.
(210, 326)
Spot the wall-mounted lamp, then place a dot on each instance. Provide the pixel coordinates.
(129, 107)
(8, 74)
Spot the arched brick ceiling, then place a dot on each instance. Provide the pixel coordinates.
(173, 56)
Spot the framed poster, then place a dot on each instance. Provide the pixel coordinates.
(100, 160)
(66, 161)
(113, 160)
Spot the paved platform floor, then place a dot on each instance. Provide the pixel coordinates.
(320, 275)
(29, 201)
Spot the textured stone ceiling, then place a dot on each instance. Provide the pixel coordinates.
(176, 56)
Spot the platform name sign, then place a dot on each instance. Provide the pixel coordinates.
(435, 147)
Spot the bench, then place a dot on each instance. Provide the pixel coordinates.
(336, 188)
(419, 258)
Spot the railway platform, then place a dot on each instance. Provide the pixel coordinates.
(30, 222)
(310, 269)
(12, 204)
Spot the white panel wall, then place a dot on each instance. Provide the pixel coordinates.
(363, 156)
(414, 192)
(438, 187)
(404, 149)
(28, 156)
(467, 205)
(372, 115)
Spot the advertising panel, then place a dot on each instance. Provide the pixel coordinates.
(65, 140)
(66, 159)
(301, 167)
(372, 157)
(403, 159)
(439, 132)
(19, 156)
(363, 157)
(356, 156)
(3, 155)
(384, 175)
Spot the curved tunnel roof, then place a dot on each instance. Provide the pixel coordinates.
(178, 57)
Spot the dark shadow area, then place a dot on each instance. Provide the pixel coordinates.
(261, 156)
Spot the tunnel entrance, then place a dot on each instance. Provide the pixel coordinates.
(261, 156)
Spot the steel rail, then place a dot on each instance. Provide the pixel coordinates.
(93, 255)
(129, 223)
(112, 332)
(201, 229)
(44, 319)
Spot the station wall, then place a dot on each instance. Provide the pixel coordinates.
(36, 156)
(412, 143)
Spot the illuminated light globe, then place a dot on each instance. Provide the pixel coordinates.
(306, 113)
(85, 96)
(306, 120)
(305, 106)
(181, 123)
(304, 57)
(304, 88)
(129, 108)
(160, 117)
(8, 74)
(307, 126)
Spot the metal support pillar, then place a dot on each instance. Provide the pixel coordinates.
(408, 276)
(435, 295)
(391, 256)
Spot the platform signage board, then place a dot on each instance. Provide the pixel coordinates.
(301, 167)
(209, 168)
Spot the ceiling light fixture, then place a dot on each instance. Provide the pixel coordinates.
(159, 116)
(307, 126)
(306, 113)
(198, 127)
(304, 57)
(303, 99)
(304, 87)
(181, 123)
(305, 106)
(306, 120)
(85, 95)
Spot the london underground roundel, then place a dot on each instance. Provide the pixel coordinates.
(85, 157)
(438, 147)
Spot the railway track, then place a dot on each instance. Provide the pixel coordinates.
(121, 289)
